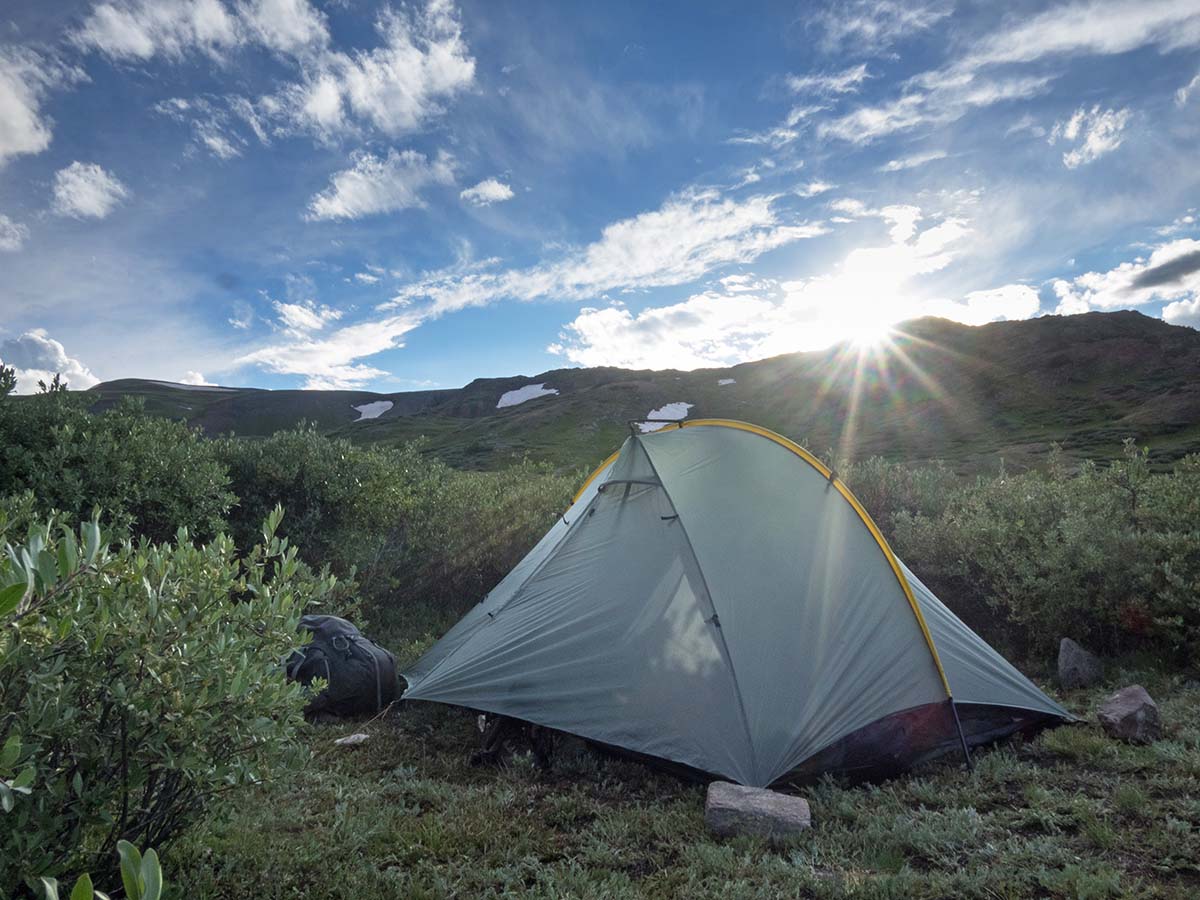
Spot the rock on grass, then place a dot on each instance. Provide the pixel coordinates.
(732, 809)
(1131, 715)
(1076, 667)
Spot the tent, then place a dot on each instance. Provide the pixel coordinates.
(716, 597)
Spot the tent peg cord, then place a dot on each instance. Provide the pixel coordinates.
(962, 738)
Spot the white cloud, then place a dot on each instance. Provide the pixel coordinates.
(686, 238)
(1026, 123)
(289, 26)
(331, 362)
(912, 162)
(245, 110)
(872, 287)
(741, 284)
(212, 126)
(867, 26)
(813, 188)
(301, 318)
(12, 234)
(937, 99)
(1186, 222)
(217, 142)
(487, 192)
(847, 81)
(1011, 302)
(781, 135)
(25, 79)
(394, 88)
(366, 278)
(772, 137)
(37, 356)
(708, 329)
(191, 377)
(142, 29)
(1172, 272)
(243, 315)
(1183, 312)
(1097, 133)
(1097, 28)
(374, 185)
(1185, 92)
(86, 191)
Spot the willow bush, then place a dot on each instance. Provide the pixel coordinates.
(1107, 555)
(419, 539)
(138, 681)
(150, 475)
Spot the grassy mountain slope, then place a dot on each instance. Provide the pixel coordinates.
(939, 390)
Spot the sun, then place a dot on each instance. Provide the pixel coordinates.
(871, 333)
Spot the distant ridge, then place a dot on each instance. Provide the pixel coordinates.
(939, 390)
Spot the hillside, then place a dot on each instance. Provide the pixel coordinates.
(939, 390)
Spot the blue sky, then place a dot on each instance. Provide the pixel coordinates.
(287, 193)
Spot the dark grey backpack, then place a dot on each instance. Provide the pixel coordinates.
(360, 675)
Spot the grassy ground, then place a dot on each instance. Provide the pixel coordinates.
(1070, 814)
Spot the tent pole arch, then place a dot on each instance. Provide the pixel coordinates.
(859, 510)
(862, 513)
(596, 474)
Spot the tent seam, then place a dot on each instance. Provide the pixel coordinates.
(737, 690)
(862, 514)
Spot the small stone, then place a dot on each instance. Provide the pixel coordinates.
(732, 809)
(351, 740)
(1131, 715)
(1076, 667)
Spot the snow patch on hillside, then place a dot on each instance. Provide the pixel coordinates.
(670, 411)
(521, 394)
(373, 410)
(725, 381)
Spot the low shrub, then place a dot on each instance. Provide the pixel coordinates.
(470, 531)
(1109, 556)
(421, 540)
(138, 682)
(150, 475)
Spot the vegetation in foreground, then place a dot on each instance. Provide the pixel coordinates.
(1109, 555)
(1071, 814)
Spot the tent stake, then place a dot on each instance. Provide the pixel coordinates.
(962, 738)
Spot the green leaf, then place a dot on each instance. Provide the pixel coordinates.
(91, 540)
(83, 888)
(10, 597)
(50, 888)
(47, 568)
(77, 783)
(10, 752)
(151, 875)
(24, 780)
(131, 866)
(7, 799)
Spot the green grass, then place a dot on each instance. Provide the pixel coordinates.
(1070, 814)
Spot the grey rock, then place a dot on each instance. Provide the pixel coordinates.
(351, 740)
(732, 809)
(1131, 715)
(1076, 667)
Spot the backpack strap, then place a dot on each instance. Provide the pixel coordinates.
(355, 641)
